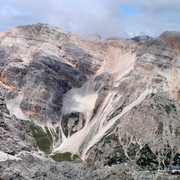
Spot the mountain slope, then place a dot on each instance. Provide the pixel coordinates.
(104, 102)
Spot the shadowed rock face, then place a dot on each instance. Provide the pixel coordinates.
(140, 38)
(43, 63)
(14, 138)
(107, 102)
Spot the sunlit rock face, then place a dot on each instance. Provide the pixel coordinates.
(106, 102)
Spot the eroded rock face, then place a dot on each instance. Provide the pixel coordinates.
(107, 102)
(42, 63)
(14, 139)
(154, 120)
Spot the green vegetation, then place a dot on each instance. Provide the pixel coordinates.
(160, 128)
(167, 108)
(73, 117)
(106, 87)
(168, 155)
(170, 128)
(67, 156)
(95, 110)
(65, 130)
(118, 156)
(147, 159)
(162, 166)
(109, 138)
(132, 150)
(44, 141)
(177, 133)
(43, 138)
(98, 153)
(176, 159)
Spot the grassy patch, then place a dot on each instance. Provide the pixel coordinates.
(67, 156)
(43, 139)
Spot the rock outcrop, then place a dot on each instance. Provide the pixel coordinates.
(112, 103)
(141, 38)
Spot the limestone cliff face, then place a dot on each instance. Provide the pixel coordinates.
(105, 101)
(39, 64)
(172, 39)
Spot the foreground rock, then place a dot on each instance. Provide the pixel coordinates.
(33, 168)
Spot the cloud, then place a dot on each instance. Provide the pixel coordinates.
(105, 17)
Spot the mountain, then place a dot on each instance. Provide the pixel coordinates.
(115, 38)
(141, 38)
(111, 108)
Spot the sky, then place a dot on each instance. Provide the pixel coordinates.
(108, 18)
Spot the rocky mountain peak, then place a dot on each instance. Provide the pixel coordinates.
(113, 104)
(141, 38)
(172, 38)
